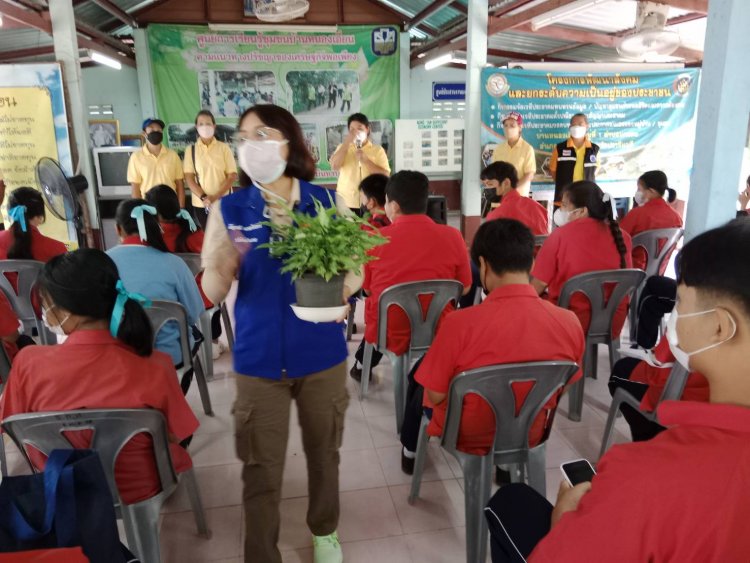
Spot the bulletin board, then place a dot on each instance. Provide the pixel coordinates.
(433, 146)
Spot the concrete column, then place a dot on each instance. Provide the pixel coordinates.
(723, 113)
(66, 52)
(145, 74)
(476, 60)
(405, 76)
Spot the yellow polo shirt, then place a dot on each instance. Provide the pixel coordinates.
(148, 170)
(351, 173)
(213, 161)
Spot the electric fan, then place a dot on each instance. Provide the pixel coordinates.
(651, 40)
(280, 10)
(62, 194)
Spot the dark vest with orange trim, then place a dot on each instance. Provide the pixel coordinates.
(566, 163)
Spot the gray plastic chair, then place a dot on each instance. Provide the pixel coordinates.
(406, 297)
(4, 373)
(592, 285)
(655, 259)
(112, 429)
(193, 262)
(672, 392)
(28, 272)
(494, 385)
(162, 312)
(539, 240)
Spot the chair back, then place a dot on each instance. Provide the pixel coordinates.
(494, 384)
(649, 241)
(192, 260)
(162, 312)
(4, 367)
(594, 286)
(406, 297)
(27, 272)
(675, 385)
(111, 430)
(539, 240)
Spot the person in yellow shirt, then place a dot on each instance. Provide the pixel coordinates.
(209, 167)
(575, 159)
(355, 159)
(517, 151)
(155, 164)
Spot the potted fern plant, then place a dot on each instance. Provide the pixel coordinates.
(317, 250)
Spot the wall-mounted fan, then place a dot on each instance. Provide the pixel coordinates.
(62, 194)
(280, 10)
(651, 39)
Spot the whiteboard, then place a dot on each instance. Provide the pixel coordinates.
(429, 145)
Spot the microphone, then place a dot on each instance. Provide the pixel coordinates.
(358, 144)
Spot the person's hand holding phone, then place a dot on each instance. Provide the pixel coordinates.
(568, 499)
(744, 199)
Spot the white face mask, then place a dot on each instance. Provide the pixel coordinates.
(674, 346)
(206, 131)
(54, 329)
(640, 197)
(577, 131)
(361, 136)
(262, 160)
(561, 217)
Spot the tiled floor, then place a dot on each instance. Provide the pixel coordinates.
(377, 524)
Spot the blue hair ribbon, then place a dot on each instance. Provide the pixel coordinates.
(137, 214)
(119, 309)
(183, 214)
(18, 215)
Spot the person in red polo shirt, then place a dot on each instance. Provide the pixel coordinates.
(503, 176)
(483, 336)
(9, 326)
(682, 496)
(107, 361)
(417, 249)
(588, 239)
(653, 212)
(372, 200)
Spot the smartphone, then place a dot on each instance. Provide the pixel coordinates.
(577, 471)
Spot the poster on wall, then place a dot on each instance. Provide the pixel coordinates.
(641, 120)
(33, 124)
(321, 77)
(432, 146)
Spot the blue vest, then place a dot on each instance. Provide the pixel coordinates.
(269, 338)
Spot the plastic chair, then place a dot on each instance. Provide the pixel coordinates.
(672, 392)
(4, 373)
(511, 446)
(592, 285)
(162, 312)
(539, 240)
(655, 260)
(112, 429)
(193, 262)
(28, 272)
(406, 297)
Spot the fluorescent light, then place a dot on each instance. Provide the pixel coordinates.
(421, 55)
(554, 16)
(104, 60)
(1, 20)
(444, 60)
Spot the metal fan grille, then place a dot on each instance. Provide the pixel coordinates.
(55, 189)
(280, 10)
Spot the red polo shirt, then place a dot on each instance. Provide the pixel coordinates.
(512, 325)
(681, 496)
(95, 371)
(418, 249)
(582, 246)
(42, 248)
(378, 219)
(655, 214)
(8, 325)
(523, 209)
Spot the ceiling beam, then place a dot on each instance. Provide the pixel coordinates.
(431, 8)
(570, 34)
(29, 18)
(460, 8)
(514, 56)
(94, 33)
(688, 5)
(671, 21)
(498, 24)
(26, 53)
(96, 45)
(117, 12)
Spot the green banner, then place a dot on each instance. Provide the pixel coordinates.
(321, 77)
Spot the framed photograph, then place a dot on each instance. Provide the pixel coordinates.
(104, 133)
(131, 140)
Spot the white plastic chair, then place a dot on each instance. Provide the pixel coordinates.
(28, 273)
(112, 429)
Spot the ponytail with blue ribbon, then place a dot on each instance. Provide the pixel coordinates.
(119, 309)
(137, 214)
(183, 214)
(17, 214)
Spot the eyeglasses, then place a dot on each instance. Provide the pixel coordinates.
(260, 134)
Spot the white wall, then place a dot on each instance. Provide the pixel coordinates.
(420, 88)
(103, 85)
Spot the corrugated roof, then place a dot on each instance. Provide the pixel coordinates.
(524, 42)
(15, 39)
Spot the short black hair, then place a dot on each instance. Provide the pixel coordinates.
(501, 171)
(361, 117)
(715, 262)
(205, 113)
(657, 180)
(506, 245)
(410, 189)
(374, 187)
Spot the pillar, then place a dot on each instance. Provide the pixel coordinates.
(145, 74)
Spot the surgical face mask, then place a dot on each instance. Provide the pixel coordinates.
(640, 197)
(155, 137)
(206, 131)
(54, 329)
(674, 345)
(262, 160)
(577, 131)
(561, 217)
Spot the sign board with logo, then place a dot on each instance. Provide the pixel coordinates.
(448, 91)
(429, 145)
(642, 120)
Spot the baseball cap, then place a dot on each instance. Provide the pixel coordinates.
(151, 120)
(514, 115)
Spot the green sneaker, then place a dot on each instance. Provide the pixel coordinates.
(327, 549)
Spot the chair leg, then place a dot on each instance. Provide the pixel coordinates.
(614, 356)
(399, 395)
(536, 469)
(422, 444)
(364, 383)
(610, 426)
(141, 523)
(206, 349)
(350, 321)
(195, 502)
(3, 459)
(575, 400)
(200, 378)
(227, 326)
(477, 487)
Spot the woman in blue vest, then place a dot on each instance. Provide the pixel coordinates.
(278, 358)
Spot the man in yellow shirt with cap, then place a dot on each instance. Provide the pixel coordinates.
(155, 164)
(517, 151)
